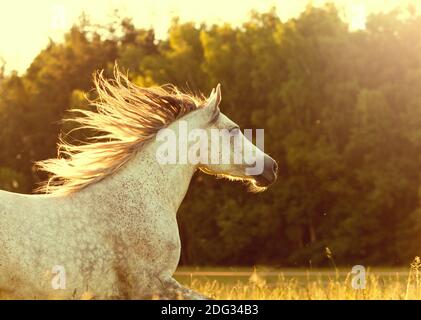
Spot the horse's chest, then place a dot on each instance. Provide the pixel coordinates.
(151, 239)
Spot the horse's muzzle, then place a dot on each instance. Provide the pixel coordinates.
(269, 174)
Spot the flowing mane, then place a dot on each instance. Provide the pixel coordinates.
(125, 117)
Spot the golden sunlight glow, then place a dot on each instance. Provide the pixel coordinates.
(358, 17)
(26, 26)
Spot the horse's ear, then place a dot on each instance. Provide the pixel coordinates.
(214, 98)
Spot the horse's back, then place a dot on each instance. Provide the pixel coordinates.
(41, 232)
(17, 203)
(8, 201)
(18, 214)
(16, 208)
(22, 215)
(11, 206)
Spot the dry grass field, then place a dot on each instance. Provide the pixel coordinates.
(336, 284)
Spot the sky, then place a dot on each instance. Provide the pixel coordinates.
(26, 25)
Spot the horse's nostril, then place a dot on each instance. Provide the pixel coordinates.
(275, 167)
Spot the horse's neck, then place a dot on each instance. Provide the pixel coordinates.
(144, 181)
